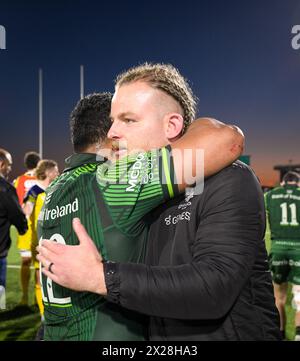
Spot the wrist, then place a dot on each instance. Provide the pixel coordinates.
(112, 281)
(100, 285)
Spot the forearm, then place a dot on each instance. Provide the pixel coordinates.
(223, 252)
(27, 208)
(219, 143)
(190, 291)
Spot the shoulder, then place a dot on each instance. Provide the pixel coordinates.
(237, 173)
(36, 189)
(32, 190)
(277, 190)
(22, 178)
(30, 174)
(236, 185)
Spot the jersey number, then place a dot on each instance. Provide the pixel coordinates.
(284, 215)
(51, 298)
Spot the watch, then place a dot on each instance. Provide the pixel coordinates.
(112, 280)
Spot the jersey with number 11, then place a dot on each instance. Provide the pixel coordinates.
(283, 210)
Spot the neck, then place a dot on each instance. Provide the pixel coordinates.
(44, 183)
(103, 149)
(91, 149)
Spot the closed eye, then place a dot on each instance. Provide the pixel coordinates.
(129, 120)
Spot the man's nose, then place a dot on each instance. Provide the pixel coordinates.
(114, 131)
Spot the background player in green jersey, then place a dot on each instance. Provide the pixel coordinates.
(137, 204)
(283, 210)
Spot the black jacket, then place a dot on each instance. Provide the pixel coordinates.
(207, 275)
(10, 213)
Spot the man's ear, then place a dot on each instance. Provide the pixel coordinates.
(174, 125)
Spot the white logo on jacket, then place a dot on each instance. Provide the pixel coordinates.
(184, 216)
(189, 195)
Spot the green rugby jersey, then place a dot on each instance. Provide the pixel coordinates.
(111, 201)
(283, 211)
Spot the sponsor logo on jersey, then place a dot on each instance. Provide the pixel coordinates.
(135, 172)
(288, 243)
(294, 263)
(184, 216)
(61, 211)
(285, 196)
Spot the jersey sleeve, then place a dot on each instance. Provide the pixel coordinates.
(136, 184)
(32, 194)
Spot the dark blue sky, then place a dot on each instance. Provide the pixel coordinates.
(236, 54)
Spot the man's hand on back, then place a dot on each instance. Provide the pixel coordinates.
(79, 268)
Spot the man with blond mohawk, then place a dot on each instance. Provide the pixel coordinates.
(205, 257)
(112, 208)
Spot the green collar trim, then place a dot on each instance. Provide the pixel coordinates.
(79, 159)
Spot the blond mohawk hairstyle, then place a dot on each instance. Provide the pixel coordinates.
(168, 79)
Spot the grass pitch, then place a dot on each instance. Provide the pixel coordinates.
(18, 323)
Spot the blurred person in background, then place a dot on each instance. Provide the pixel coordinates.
(10, 213)
(45, 172)
(23, 183)
(283, 210)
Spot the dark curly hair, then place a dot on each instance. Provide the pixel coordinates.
(31, 160)
(90, 120)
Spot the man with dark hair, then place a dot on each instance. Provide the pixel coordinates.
(112, 199)
(10, 213)
(26, 180)
(87, 121)
(283, 210)
(31, 160)
(22, 184)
